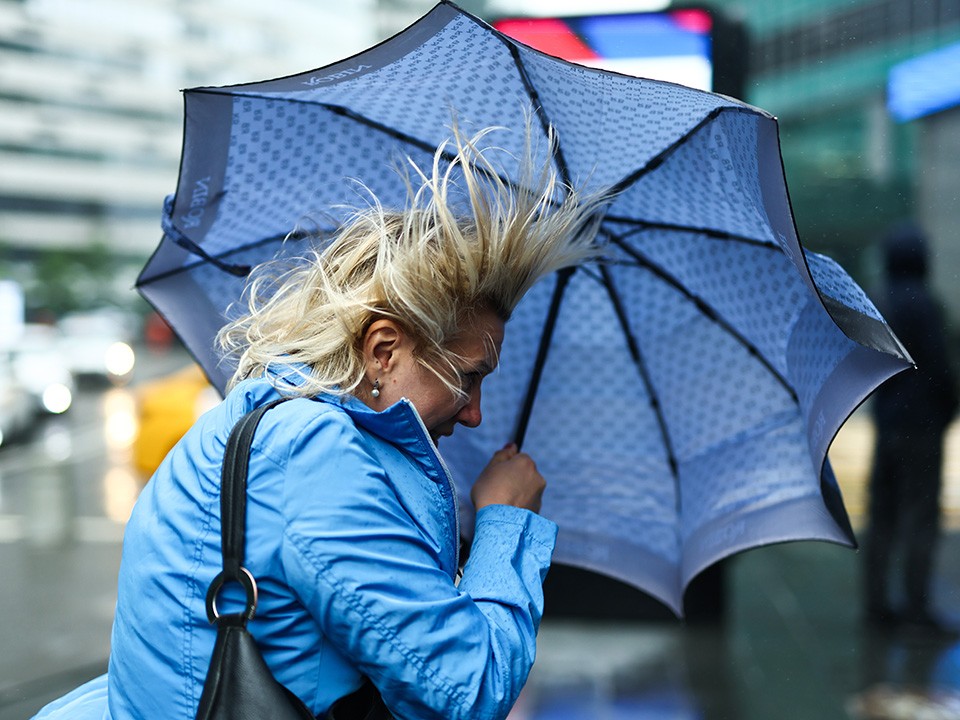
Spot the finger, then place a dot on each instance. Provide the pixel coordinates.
(505, 453)
(522, 460)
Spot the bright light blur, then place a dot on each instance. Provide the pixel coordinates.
(57, 442)
(57, 398)
(120, 485)
(120, 490)
(119, 359)
(925, 84)
(120, 420)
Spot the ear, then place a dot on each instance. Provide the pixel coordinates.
(381, 342)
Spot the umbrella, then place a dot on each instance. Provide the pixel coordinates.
(679, 395)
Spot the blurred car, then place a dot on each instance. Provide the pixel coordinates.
(16, 405)
(97, 344)
(166, 408)
(41, 366)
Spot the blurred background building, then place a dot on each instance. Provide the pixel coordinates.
(90, 115)
(90, 121)
(864, 143)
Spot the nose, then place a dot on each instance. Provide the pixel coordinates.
(469, 415)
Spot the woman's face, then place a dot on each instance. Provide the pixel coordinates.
(478, 347)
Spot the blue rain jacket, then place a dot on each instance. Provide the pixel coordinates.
(352, 535)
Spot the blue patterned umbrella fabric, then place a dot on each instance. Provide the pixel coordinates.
(680, 395)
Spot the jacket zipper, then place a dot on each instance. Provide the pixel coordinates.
(454, 495)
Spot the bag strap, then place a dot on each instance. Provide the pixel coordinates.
(233, 512)
(365, 702)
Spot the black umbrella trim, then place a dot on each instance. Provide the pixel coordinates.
(866, 330)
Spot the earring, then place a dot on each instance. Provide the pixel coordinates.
(376, 388)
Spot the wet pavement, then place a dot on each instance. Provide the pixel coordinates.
(789, 644)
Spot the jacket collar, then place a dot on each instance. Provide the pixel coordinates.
(400, 424)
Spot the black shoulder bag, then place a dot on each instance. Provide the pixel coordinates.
(239, 685)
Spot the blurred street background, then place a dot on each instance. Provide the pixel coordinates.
(867, 94)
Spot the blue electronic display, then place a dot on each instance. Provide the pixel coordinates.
(925, 84)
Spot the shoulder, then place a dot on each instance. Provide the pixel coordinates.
(314, 446)
(286, 425)
(305, 425)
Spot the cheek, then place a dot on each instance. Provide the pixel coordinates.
(438, 406)
(448, 408)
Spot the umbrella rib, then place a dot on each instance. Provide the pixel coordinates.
(706, 309)
(534, 97)
(634, 348)
(204, 258)
(390, 131)
(563, 279)
(190, 246)
(350, 115)
(643, 225)
(661, 157)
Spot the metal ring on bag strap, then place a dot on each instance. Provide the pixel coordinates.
(249, 585)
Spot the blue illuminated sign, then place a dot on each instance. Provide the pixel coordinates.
(925, 84)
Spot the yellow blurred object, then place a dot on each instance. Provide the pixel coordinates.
(166, 408)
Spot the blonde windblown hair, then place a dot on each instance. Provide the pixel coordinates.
(427, 266)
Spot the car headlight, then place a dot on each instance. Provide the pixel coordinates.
(119, 359)
(56, 398)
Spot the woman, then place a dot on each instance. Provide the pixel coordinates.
(384, 339)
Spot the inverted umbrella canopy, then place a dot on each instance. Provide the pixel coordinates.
(679, 395)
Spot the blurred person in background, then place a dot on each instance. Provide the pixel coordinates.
(912, 412)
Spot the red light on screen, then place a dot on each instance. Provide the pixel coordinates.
(547, 35)
(698, 21)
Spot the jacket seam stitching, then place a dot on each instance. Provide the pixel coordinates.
(187, 647)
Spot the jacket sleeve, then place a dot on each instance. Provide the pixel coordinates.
(371, 577)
